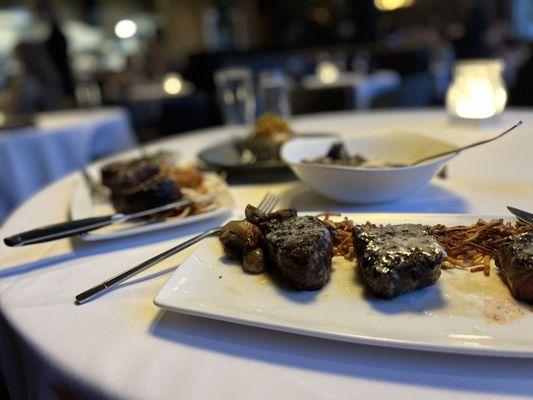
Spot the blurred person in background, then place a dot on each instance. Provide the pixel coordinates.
(158, 62)
(513, 53)
(57, 47)
(471, 43)
(116, 85)
(37, 86)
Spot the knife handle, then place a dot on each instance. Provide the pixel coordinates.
(61, 230)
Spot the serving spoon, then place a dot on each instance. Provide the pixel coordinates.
(460, 149)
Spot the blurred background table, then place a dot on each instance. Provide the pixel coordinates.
(365, 87)
(121, 345)
(59, 142)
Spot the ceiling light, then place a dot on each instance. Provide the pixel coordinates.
(125, 29)
(390, 5)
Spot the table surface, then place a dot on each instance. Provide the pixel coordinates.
(125, 346)
(61, 119)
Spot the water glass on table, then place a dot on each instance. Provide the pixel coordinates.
(274, 93)
(236, 97)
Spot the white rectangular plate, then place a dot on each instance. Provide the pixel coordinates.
(82, 206)
(463, 313)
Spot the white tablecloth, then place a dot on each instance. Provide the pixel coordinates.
(366, 87)
(121, 345)
(60, 142)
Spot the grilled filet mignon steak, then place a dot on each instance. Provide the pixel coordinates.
(139, 184)
(301, 248)
(515, 261)
(126, 175)
(397, 259)
(153, 192)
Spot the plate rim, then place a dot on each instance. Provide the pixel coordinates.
(259, 165)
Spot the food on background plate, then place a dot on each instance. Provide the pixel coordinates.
(339, 155)
(152, 192)
(123, 175)
(515, 261)
(265, 141)
(397, 259)
(152, 181)
(299, 247)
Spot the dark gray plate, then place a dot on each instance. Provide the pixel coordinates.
(226, 156)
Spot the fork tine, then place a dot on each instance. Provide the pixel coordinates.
(272, 201)
(268, 204)
(273, 204)
(262, 203)
(275, 200)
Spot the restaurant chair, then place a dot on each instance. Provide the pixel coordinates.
(305, 101)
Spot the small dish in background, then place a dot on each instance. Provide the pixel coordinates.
(228, 156)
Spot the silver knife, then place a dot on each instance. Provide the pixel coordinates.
(80, 226)
(522, 215)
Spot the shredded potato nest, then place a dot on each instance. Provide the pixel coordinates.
(193, 185)
(269, 124)
(472, 247)
(184, 177)
(469, 247)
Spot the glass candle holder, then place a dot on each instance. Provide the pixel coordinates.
(477, 91)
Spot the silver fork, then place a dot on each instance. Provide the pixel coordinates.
(266, 205)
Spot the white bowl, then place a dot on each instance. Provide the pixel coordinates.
(367, 185)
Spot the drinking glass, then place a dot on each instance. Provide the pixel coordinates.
(236, 97)
(274, 93)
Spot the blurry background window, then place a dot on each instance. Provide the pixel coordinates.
(87, 53)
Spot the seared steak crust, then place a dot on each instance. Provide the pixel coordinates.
(397, 259)
(515, 261)
(138, 184)
(153, 192)
(126, 175)
(301, 248)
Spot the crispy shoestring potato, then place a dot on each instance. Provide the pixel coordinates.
(472, 247)
(192, 184)
(269, 124)
(467, 247)
(342, 235)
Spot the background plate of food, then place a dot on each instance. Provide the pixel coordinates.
(144, 182)
(437, 282)
(258, 152)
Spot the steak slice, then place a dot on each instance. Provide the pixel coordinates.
(301, 248)
(154, 192)
(126, 175)
(515, 261)
(397, 259)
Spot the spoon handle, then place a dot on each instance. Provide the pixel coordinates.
(460, 149)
